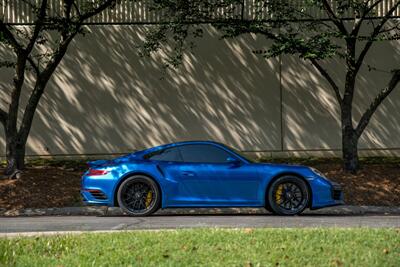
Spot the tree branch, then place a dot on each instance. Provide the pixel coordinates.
(40, 85)
(67, 8)
(95, 11)
(38, 26)
(374, 34)
(10, 38)
(334, 18)
(3, 116)
(365, 13)
(70, 29)
(34, 66)
(76, 8)
(18, 81)
(370, 8)
(326, 75)
(377, 101)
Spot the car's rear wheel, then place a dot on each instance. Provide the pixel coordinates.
(288, 195)
(139, 196)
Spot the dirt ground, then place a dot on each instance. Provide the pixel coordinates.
(376, 185)
(50, 186)
(41, 188)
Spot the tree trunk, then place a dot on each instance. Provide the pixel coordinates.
(350, 149)
(15, 154)
(349, 135)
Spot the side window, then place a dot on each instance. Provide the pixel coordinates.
(204, 153)
(169, 154)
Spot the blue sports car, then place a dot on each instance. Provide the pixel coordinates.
(204, 174)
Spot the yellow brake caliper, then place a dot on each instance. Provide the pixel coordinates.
(149, 197)
(278, 194)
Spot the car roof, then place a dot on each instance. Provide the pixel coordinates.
(193, 142)
(148, 150)
(187, 143)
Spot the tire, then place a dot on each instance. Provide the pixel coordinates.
(267, 206)
(288, 195)
(139, 196)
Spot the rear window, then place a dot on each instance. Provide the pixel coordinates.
(169, 154)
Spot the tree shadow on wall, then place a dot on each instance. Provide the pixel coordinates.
(104, 98)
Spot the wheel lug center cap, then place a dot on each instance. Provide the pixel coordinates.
(138, 195)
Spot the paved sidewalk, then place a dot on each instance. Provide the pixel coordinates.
(104, 211)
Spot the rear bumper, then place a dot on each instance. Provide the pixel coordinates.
(98, 191)
(90, 199)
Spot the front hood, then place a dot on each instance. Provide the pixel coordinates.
(302, 170)
(281, 165)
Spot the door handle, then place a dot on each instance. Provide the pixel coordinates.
(187, 173)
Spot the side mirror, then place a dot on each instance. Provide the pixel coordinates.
(233, 161)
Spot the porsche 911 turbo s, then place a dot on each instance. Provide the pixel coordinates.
(204, 174)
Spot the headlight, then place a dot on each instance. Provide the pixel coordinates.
(317, 172)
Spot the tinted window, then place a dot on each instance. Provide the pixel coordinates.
(240, 154)
(170, 154)
(204, 153)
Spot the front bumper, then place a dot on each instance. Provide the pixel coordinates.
(325, 193)
(337, 192)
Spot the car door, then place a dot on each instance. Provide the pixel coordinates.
(212, 176)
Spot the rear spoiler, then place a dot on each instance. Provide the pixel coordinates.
(96, 163)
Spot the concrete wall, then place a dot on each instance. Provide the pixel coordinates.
(105, 99)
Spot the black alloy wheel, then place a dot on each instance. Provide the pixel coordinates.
(139, 196)
(288, 195)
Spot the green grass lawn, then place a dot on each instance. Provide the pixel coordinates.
(209, 247)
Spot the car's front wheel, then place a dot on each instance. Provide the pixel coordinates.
(288, 195)
(139, 196)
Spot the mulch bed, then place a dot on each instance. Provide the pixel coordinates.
(374, 184)
(41, 188)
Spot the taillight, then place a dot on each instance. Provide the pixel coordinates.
(94, 172)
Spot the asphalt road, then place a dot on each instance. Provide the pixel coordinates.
(92, 223)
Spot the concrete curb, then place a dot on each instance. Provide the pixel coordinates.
(104, 211)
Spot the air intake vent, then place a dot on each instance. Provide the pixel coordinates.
(97, 194)
(336, 192)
